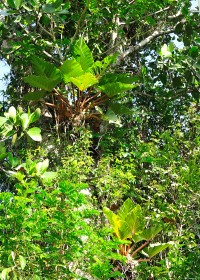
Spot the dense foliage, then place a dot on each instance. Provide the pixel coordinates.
(99, 140)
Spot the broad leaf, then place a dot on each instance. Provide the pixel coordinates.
(34, 116)
(71, 68)
(41, 82)
(18, 3)
(121, 78)
(35, 96)
(135, 220)
(154, 249)
(5, 273)
(126, 208)
(41, 67)
(83, 54)
(24, 120)
(35, 133)
(150, 233)
(84, 81)
(112, 89)
(114, 220)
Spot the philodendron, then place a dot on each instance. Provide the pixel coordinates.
(129, 225)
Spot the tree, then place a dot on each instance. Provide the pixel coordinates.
(101, 115)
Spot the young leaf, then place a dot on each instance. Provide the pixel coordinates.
(22, 262)
(84, 81)
(35, 133)
(83, 54)
(35, 116)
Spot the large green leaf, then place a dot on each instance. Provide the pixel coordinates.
(71, 69)
(114, 220)
(24, 120)
(84, 81)
(35, 96)
(126, 208)
(121, 78)
(135, 220)
(41, 82)
(83, 54)
(35, 133)
(150, 233)
(41, 67)
(154, 249)
(112, 89)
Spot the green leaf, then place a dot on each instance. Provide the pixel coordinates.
(35, 133)
(111, 117)
(147, 234)
(35, 116)
(49, 176)
(5, 273)
(2, 120)
(120, 109)
(24, 120)
(71, 68)
(41, 82)
(35, 96)
(83, 54)
(41, 167)
(114, 220)
(126, 208)
(42, 67)
(22, 262)
(112, 89)
(135, 220)
(48, 8)
(18, 3)
(154, 249)
(121, 78)
(84, 81)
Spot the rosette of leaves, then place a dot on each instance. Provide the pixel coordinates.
(79, 86)
(129, 226)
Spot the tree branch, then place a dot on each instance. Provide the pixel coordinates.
(147, 40)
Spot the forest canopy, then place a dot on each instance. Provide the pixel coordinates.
(99, 140)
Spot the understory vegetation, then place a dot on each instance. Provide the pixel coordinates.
(100, 140)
